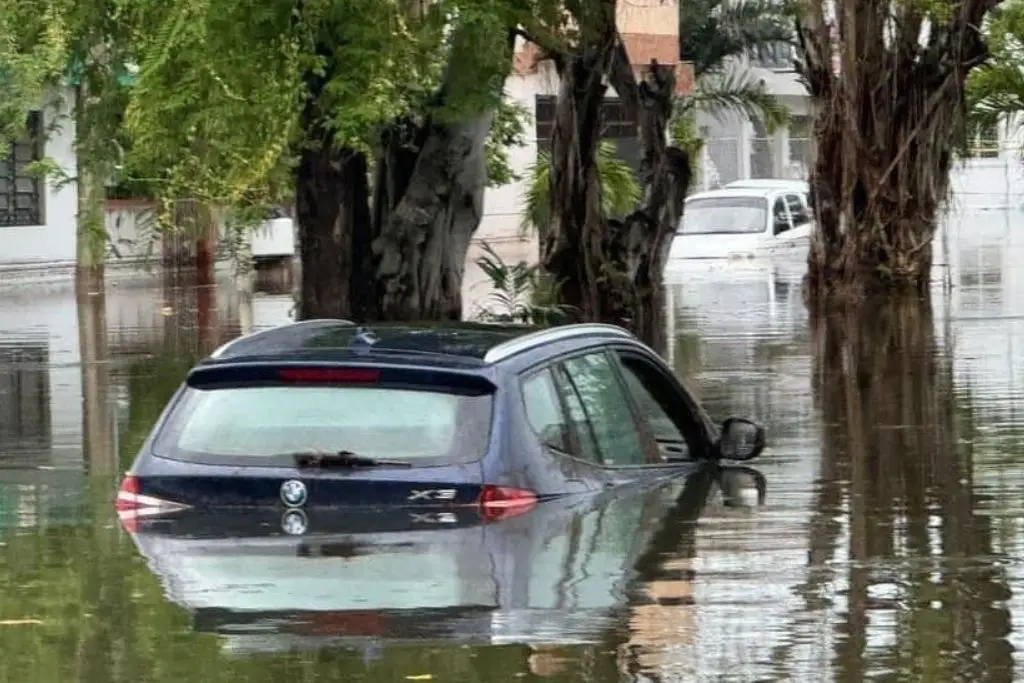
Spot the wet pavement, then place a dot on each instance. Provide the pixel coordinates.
(878, 538)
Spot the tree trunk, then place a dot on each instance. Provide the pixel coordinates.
(97, 416)
(333, 216)
(886, 132)
(91, 228)
(612, 271)
(403, 260)
(420, 253)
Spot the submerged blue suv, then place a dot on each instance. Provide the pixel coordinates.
(327, 413)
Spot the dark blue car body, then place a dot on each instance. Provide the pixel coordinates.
(482, 369)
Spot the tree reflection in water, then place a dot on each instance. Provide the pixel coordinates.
(660, 614)
(897, 527)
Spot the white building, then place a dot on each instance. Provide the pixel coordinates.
(737, 148)
(37, 217)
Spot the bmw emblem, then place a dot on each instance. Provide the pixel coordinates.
(293, 493)
(294, 522)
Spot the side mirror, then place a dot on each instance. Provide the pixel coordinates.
(741, 439)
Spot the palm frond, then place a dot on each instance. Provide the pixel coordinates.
(620, 190)
(713, 32)
(535, 200)
(995, 90)
(734, 92)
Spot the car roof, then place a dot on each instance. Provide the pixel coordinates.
(734, 192)
(461, 343)
(768, 183)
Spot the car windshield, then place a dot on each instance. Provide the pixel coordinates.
(265, 425)
(724, 216)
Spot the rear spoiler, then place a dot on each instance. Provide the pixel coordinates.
(224, 375)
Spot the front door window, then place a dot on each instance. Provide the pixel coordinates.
(594, 380)
(780, 217)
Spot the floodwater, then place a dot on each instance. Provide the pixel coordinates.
(880, 536)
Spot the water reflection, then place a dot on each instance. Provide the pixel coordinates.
(98, 424)
(885, 549)
(924, 590)
(24, 398)
(559, 575)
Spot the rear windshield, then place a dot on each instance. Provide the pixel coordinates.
(266, 425)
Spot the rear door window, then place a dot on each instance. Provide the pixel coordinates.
(266, 425)
(586, 447)
(544, 411)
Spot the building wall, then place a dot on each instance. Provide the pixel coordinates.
(54, 240)
(735, 150)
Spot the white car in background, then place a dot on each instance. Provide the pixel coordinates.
(770, 184)
(745, 222)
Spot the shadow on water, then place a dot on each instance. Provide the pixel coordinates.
(926, 595)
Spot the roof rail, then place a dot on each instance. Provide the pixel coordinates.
(219, 351)
(550, 335)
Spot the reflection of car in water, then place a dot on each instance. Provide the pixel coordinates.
(754, 291)
(560, 573)
(743, 222)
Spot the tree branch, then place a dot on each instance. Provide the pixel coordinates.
(620, 75)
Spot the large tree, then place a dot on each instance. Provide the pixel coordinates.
(372, 115)
(887, 78)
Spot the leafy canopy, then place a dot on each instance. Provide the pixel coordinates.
(229, 90)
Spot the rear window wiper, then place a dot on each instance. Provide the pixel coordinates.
(341, 459)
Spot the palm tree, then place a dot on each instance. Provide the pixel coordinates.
(715, 36)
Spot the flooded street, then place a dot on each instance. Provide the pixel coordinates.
(879, 537)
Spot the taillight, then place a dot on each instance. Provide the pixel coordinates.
(131, 504)
(128, 494)
(501, 502)
(339, 375)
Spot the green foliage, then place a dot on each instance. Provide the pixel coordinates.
(229, 91)
(714, 36)
(508, 130)
(683, 131)
(34, 48)
(620, 190)
(520, 292)
(734, 92)
(713, 31)
(51, 44)
(995, 90)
